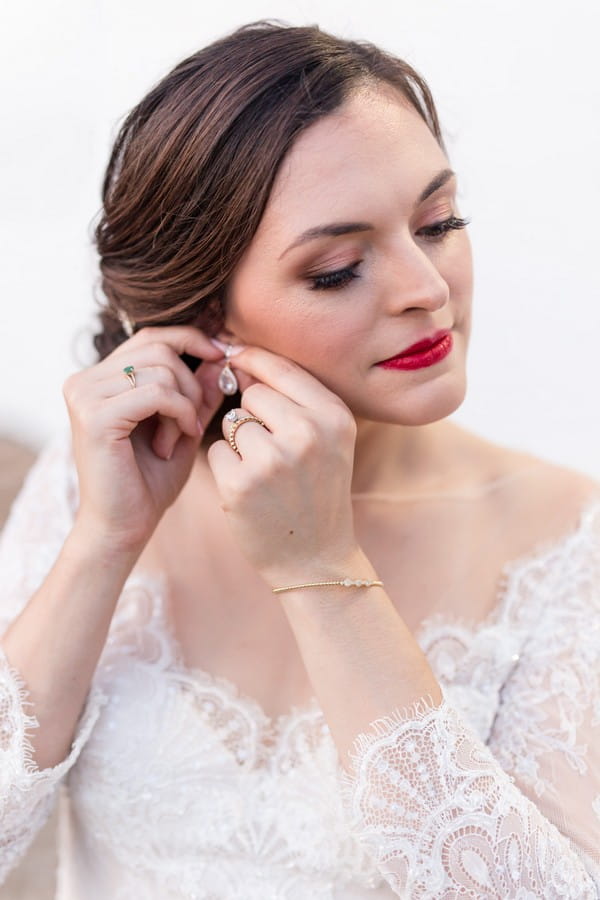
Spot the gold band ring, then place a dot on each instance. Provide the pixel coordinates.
(130, 375)
(235, 427)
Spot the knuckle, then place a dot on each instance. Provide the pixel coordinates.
(157, 349)
(156, 391)
(299, 446)
(69, 387)
(166, 375)
(165, 354)
(145, 333)
(86, 418)
(253, 392)
(341, 421)
(81, 413)
(238, 490)
(273, 461)
(306, 434)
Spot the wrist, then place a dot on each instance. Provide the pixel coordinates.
(353, 565)
(89, 542)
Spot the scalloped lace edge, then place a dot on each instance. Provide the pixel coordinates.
(95, 700)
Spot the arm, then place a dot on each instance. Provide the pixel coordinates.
(83, 517)
(441, 812)
(56, 627)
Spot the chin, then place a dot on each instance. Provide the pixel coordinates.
(428, 403)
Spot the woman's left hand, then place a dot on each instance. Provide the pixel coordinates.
(287, 494)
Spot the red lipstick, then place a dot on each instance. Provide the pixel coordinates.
(426, 352)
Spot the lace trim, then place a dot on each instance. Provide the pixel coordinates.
(515, 572)
(441, 819)
(141, 628)
(27, 793)
(15, 684)
(421, 710)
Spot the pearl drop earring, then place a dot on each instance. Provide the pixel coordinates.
(227, 382)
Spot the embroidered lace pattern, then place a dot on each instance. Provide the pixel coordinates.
(179, 786)
(437, 806)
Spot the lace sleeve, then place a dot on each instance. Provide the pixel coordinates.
(37, 526)
(444, 815)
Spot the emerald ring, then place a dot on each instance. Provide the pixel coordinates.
(130, 375)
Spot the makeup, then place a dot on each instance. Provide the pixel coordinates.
(429, 354)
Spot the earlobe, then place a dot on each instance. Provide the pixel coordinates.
(227, 338)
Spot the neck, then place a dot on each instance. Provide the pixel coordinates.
(398, 460)
(407, 459)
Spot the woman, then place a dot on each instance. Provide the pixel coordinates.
(285, 629)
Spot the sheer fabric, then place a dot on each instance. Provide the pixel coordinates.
(180, 786)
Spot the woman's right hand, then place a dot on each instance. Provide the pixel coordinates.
(134, 447)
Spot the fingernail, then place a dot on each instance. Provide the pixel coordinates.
(232, 349)
(200, 427)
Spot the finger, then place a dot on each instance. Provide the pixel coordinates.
(181, 338)
(277, 411)
(182, 447)
(118, 382)
(284, 375)
(129, 409)
(151, 355)
(224, 465)
(173, 374)
(250, 443)
(163, 434)
(201, 385)
(166, 431)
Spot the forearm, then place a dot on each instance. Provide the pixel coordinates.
(425, 782)
(56, 641)
(361, 658)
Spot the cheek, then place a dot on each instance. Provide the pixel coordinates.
(458, 270)
(307, 333)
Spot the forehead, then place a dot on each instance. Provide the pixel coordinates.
(374, 149)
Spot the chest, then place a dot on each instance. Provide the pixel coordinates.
(226, 621)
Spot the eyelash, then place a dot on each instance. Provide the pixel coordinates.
(341, 277)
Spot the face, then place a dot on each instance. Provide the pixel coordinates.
(340, 303)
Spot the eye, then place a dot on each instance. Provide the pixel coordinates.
(439, 230)
(337, 279)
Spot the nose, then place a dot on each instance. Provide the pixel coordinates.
(413, 281)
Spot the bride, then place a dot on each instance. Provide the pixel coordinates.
(278, 625)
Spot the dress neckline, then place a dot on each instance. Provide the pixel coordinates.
(155, 586)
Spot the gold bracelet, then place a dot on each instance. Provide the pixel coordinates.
(343, 582)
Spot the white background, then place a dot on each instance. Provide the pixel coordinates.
(517, 86)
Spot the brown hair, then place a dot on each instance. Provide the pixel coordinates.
(193, 164)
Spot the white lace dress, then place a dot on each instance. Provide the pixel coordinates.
(177, 786)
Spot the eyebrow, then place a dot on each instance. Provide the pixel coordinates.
(335, 229)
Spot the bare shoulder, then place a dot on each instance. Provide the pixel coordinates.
(536, 499)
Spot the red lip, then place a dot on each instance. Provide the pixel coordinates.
(423, 344)
(425, 352)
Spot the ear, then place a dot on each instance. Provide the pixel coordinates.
(225, 336)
